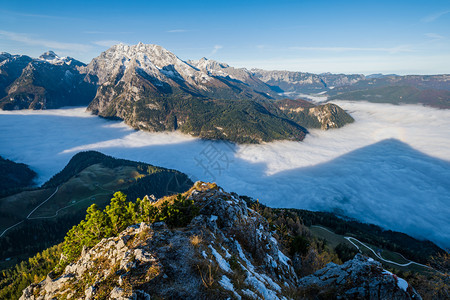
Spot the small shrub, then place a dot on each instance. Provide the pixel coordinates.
(179, 213)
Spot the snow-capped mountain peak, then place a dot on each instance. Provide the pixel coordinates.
(54, 59)
(151, 59)
(49, 55)
(210, 66)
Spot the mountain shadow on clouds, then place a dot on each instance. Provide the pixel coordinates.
(388, 183)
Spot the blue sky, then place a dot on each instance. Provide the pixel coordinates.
(403, 37)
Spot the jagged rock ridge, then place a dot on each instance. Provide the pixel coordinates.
(227, 251)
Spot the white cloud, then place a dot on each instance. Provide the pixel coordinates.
(391, 167)
(366, 64)
(107, 43)
(177, 30)
(434, 36)
(40, 16)
(434, 17)
(25, 39)
(398, 49)
(106, 32)
(215, 49)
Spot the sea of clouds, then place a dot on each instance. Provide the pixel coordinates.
(391, 167)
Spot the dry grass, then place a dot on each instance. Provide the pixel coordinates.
(196, 240)
(144, 234)
(202, 186)
(152, 272)
(207, 276)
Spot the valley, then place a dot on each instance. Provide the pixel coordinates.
(34, 220)
(387, 257)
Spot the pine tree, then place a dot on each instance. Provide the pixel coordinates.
(118, 213)
(96, 226)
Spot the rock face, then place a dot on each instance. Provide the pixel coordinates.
(330, 116)
(227, 251)
(225, 72)
(49, 81)
(359, 278)
(11, 66)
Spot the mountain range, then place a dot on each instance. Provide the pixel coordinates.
(430, 90)
(151, 89)
(47, 82)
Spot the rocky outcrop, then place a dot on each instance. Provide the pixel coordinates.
(330, 116)
(324, 116)
(227, 251)
(359, 278)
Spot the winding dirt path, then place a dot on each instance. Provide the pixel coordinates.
(56, 213)
(349, 239)
(28, 217)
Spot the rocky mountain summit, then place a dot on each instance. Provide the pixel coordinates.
(55, 59)
(226, 251)
(143, 67)
(224, 71)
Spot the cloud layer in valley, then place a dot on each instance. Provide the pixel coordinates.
(391, 167)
